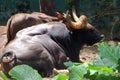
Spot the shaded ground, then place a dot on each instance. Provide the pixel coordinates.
(88, 53)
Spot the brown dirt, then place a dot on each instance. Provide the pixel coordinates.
(88, 53)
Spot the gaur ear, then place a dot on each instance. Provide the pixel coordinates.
(8, 57)
(59, 15)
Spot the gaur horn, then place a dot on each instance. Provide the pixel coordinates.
(79, 23)
(74, 14)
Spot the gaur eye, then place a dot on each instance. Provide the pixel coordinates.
(8, 57)
(8, 54)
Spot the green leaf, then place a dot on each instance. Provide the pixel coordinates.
(101, 73)
(68, 64)
(98, 61)
(3, 76)
(24, 72)
(118, 67)
(77, 72)
(80, 71)
(93, 69)
(60, 77)
(109, 55)
(97, 76)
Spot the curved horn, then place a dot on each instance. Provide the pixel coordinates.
(80, 24)
(83, 19)
(76, 25)
(74, 14)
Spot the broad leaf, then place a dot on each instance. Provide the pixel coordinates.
(60, 77)
(77, 72)
(100, 70)
(109, 55)
(101, 73)
(68, 64)
(3, 76)
(106, 76)
(24, 72)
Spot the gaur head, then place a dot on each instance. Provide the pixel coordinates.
(81, 28)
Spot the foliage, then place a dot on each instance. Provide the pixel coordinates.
(76, 70)
(105, 67)
(22, 72)
(109, 55)
(92, 72)
(4, 77)
(60, 77)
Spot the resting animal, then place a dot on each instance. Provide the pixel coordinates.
(47, 46)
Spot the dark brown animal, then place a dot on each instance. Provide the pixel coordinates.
(50, 44)
(34, 46)
(23, 20)
(46, 46)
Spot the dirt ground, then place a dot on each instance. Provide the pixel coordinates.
(88, 53)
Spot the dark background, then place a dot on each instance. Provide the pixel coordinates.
(103, 14)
